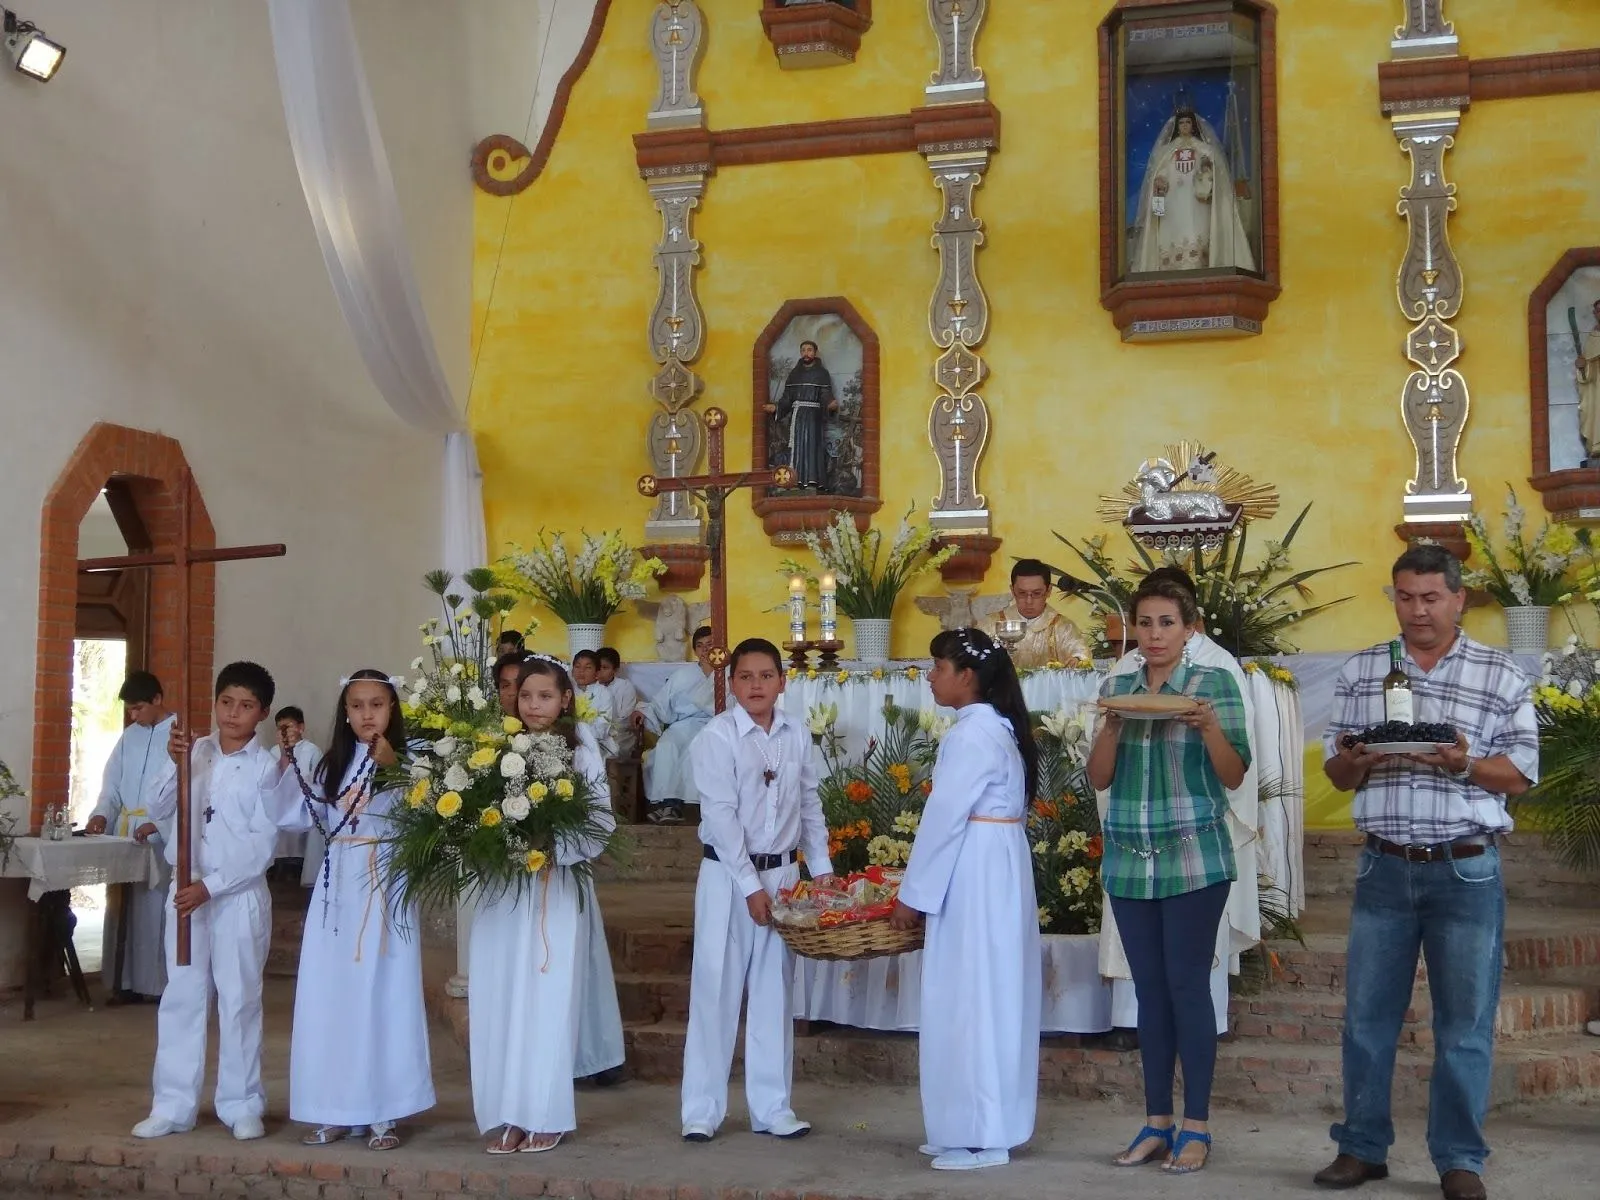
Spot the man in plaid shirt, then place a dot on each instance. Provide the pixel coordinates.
(1429, 877)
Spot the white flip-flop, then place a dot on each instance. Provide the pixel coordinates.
(967, 1160)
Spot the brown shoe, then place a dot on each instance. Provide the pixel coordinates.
(1348, 1171)
(1462, 1185)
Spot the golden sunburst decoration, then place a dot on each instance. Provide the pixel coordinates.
(1256, 501)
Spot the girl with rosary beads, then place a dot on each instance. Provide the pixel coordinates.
(358, 1059)
(531, 957)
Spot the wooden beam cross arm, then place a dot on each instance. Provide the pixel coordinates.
(713, 490)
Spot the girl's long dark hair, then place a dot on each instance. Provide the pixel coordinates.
(342, 745)
(998, 686)
(567, 723)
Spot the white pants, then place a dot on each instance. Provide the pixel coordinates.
(228, 939)
(732, 955)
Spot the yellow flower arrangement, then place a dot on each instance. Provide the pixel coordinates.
(482, 757)
(538, 790)
(449, 804)
(490, 817)
(510, 725)
(842, 677)
(535, 860)
(901, 774)
(912, 673)
(564, 788)
(417, 793)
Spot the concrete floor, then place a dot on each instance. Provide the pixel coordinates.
(81, 1076)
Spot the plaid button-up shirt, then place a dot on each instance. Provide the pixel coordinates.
(1478, 690)
(1165, 828)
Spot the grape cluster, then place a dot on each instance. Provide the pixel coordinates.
(1400, 731)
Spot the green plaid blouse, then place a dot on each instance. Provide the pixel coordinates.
(1166, 830)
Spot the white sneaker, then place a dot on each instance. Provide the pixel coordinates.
(787, 1126)
(966, 1160)
(248, 1129)
(155, 1127)
(932, 1151)
(698, 1133)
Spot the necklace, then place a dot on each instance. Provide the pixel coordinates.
(773, 762)
(350, 803)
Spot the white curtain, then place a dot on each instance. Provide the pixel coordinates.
(350, 192)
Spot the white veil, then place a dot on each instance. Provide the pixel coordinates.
(1230, 245)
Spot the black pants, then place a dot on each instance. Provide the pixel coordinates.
(1171, 945)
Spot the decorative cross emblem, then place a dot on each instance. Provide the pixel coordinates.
(768, 776)
(957, 212)
(209, 813)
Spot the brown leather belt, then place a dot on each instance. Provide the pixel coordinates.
(1467, 847)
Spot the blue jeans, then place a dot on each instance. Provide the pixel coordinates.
(1454, 911)
(1170, 945)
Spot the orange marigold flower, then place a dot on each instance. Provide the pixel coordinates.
(1068, 800)
(858, 791)
(1096, 847)
(1046, 809)
(927, 787)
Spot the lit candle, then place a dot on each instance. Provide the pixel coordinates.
(828, 615)
(797, 608)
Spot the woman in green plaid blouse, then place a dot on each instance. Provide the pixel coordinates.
(1169, 862)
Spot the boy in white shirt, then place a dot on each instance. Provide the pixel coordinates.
(290, 722)
(624, 699)
(758, 805)
(585, 677)
(238, 791)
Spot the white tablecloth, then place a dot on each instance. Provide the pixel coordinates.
(80, 862)
(886, 993)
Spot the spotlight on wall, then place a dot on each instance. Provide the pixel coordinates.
(34, 54)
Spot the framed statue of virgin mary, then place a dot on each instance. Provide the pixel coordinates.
(1189, 188)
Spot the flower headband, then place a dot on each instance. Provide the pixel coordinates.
(546, 658)
(394, 681)
(964, 637)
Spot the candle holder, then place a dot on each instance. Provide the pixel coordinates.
(800, 654)
(830, 653)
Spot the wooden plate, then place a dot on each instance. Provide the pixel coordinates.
(1149, 706)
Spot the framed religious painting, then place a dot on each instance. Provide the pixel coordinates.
(1188, 167)
(815, 410)
(1564, 385)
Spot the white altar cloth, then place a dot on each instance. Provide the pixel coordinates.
(80, 862)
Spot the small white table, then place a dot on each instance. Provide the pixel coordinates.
(53, 869)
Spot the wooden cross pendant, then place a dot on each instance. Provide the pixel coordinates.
(209, 813)
(769, 775)
(713, 491)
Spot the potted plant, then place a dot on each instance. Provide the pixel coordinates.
(868, 581)
(584, 590)
(1530, 580)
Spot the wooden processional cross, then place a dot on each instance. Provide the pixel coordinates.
(713, 490)
(183, 556)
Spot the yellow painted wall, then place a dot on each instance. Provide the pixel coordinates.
(564, 286)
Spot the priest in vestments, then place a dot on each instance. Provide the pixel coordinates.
(138, 762)
(678, 712)
(1049, 637)
(1240, 927)
(803, 411)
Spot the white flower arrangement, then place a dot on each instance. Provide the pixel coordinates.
(587, 589)
(868, 583)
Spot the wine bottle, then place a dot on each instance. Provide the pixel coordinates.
(1397, 689)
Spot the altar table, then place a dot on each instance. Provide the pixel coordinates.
(53, 869)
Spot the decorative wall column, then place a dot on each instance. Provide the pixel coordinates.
(958, 314)
(675, 529)
(1434, 402)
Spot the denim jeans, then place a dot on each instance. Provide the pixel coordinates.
(1454, 911)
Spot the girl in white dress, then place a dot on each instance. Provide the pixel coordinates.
(529, 951)
(971, 876)
(358, 1059)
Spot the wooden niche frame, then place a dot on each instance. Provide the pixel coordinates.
(787, 518)
(1574, 493)
(816, 33)
(1208, 306)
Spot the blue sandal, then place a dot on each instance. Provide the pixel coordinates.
(1164, 1136)
(1187, 1137)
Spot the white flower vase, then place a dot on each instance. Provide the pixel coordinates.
(584, 637)
(1528, 629)
(872, 638)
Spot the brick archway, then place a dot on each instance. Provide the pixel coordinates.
(151, 465)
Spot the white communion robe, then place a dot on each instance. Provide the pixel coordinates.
(236, 801)
(529, 955)
(359, 1053)
(678, 712)
(138, 765)
(972, 874)
(1240, 928)
(605, 716)
(741, 814)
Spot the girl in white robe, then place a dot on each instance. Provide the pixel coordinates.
(529, 953)
(358, 1059)
(971, 876)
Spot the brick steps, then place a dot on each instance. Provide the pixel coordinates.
(1532, 876)
(656, 854)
